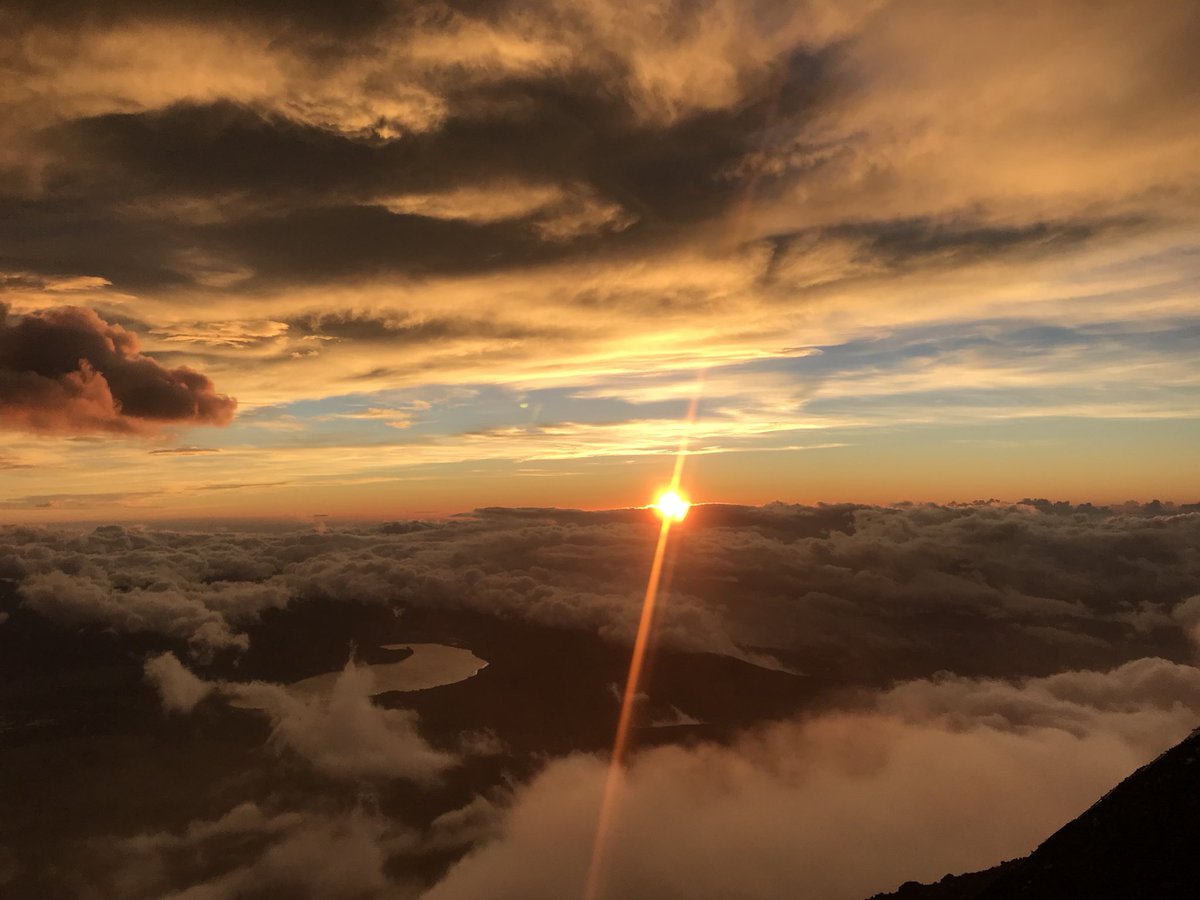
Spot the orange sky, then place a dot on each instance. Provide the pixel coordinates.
(899, 250)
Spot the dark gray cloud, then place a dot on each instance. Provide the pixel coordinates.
(352, 326)
(352, 17)
(307, 147)
(67, 371)
(870, 249)
(184, 451)
(292, 194)
(78, 236)
(531, 92)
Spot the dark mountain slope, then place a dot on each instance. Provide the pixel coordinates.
(1141, 841)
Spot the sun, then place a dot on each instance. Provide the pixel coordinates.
(670, 505)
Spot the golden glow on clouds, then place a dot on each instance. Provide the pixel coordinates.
(1009, 199)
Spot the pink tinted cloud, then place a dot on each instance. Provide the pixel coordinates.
(67, 371)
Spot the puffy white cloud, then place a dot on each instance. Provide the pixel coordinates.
(177, 687)
(78, 599)
(195, 588)
(294, 854)
(1144, 701)
(344, 734)
(1187, 614)
(942, 776)
(320, 858)
(340, 733)
(981, 589)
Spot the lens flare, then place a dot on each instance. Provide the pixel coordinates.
(671, 505)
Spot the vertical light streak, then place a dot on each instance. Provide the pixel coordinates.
(737, 230)
(637, 661)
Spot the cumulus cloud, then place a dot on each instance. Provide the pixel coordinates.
(980, 589)
(250, 851)
(1019, 658)
(1187, 614)
(342, 858)
(845, 804)
(1130, 701)
(344, 734)
(177, 687)
(538, 192)
(933, 776)
(67, 371)
(193, 588)
(159, 609)
(852, 593)
(340, 733)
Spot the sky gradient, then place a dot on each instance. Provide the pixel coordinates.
(412, 259)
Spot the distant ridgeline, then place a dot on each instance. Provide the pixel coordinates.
(1141, 841)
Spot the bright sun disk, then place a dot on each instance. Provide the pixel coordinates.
(670, 505)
